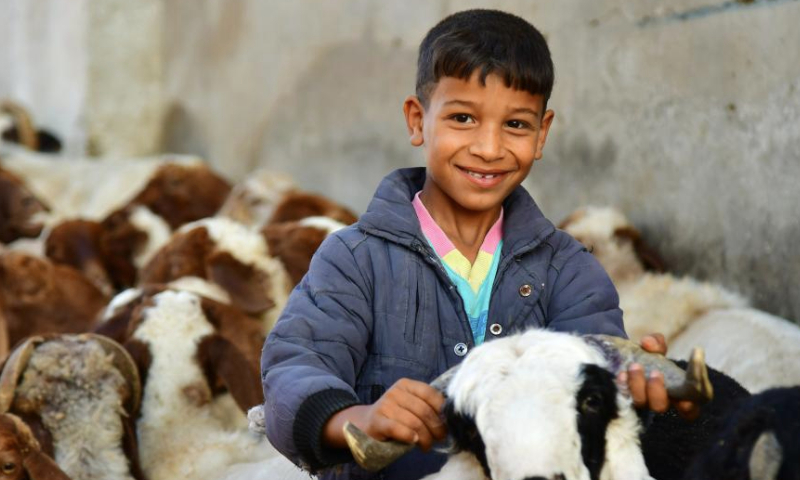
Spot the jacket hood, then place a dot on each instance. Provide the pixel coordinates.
(391, 215)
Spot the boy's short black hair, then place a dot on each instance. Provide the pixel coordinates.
(496, 42)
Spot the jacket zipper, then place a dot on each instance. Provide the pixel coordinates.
(429, 258)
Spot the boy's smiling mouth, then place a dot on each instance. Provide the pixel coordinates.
(484, 178)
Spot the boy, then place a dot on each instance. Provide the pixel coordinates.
(444, 259)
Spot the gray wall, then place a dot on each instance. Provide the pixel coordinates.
(684, 113)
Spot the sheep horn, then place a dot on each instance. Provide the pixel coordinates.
(374, 455)
(13, 368)
(28, 136)
(126, 366)
(692, 384)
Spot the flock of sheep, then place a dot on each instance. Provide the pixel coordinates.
(135, 298)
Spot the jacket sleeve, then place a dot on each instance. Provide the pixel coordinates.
(311, 358)
(583, 298)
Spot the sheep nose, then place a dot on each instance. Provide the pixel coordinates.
(559, 476)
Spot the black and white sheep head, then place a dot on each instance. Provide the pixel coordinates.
(544, 405)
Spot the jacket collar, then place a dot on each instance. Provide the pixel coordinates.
(391, 215)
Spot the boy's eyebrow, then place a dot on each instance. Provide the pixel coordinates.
(526, 110)
(467, 103)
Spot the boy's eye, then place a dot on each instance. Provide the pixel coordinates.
(517, 124)
(463, 118)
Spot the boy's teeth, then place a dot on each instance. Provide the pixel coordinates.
(478, 175)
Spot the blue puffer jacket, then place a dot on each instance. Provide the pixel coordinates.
(377, 306)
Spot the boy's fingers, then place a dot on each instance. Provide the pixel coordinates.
(424, 391)
(657, 397)
(424, 438)
(388, 428)
(637, 385)
(654, 343)
(425, 413)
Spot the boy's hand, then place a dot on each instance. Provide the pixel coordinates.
(408, 412)
(651, 392)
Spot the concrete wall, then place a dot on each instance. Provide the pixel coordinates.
(683, 113)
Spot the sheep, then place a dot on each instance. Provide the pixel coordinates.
(80, 392)
(37, 296)
(759, 440)
(745, 343)
(181, 194)
(21, 456)
(184, 431)
(110, 253)
(179, 189)
(243, 331)
(20, 210)
(229, 255)
(544, 404)
(689, 312)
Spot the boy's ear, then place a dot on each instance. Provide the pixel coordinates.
(547, 121)
(412, 108)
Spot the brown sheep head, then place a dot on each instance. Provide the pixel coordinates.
(78, 243)
(18, 209)
(37, 296)
(21, 457)
(183, 193)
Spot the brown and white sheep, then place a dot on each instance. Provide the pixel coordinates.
(38, 296)
(188, 429)
(229, 255)
(757, 349)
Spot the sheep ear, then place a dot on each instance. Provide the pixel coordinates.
(13, 368)
(572, 218)
(248, 287)
(41, 467)
(140, 354)
(182, 256)
(649, 258)
(130, 446)
(31, 426)
(624, 457)
(4, 342)
(223, 362)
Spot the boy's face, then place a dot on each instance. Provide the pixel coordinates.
(480, 141)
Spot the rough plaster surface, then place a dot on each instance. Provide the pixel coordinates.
(88, 70)
(682, 113)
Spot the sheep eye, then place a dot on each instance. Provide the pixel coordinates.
(591, 404)
(9, 467)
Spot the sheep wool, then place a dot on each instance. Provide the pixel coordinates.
(180, 436)
(75, 388)
(158, 233)
(250, 248)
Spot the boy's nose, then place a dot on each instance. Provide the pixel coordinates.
(488, 144)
